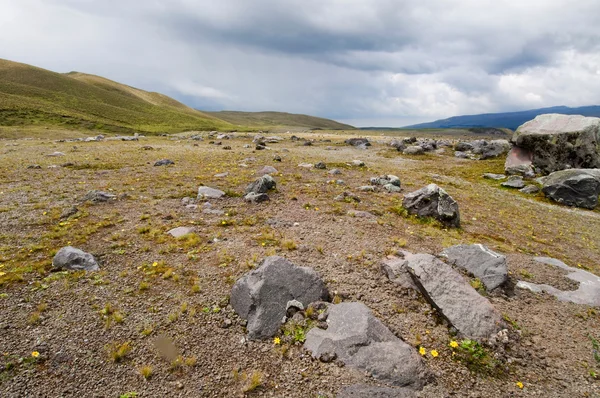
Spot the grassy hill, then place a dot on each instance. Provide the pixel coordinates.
(270, 119)
(35, 96)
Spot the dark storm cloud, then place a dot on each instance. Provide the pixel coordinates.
(348, 59)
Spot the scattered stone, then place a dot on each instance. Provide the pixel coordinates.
(530, 189)
(385, 180)
(209, 193)
(519, 162)
(461, 155)
(360, 214)
(164, 162)
(253, 197)
(488, 266)
(147, 148)
(320, 166)
(262, 295)
(95, 196)
(259, 147)
(358, 339)
(277, 158)
(180, 231)
(575, 187)
(71, 211)
(334, 172)
(55, 154)
(262, 185)
(413, 150)
(433, 201)
(588, 292)
(307, 143)
(367, 188)
(446, 290)
(399, 145)
(213, 212)
(492, 176)
(358, 142)
(268, 170)
(357, 163)
(306, 165)
(346, 197)
(34, 166)
(494, 149)
(463, 146)
(227, 148)
(72, 259)
(559, 142)
(514, 182)
(221, 175)
(392, 188)
(395, 270)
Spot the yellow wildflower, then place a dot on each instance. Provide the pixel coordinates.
(35, 354)
(2, 273)
(276, 341)
(434, 353)
(264, 244)
(519, 384)
(453, 344)
(155, 264)
(422, 351)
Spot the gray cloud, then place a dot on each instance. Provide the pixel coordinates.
(372, 61)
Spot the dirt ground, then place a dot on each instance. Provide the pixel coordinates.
(164, 301)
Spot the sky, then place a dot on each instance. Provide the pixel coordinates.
(364, 62)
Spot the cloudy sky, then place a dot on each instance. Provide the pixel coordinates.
(365, 62)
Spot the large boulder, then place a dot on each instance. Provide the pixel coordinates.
(519, 161)
(262, 185)
(494, 148)
(488, 266)
(358, 142)
(264, 295)
(575, 187)
(559, 142)
(358, 339)
(452, 296)
(73, 259)
(433, 201)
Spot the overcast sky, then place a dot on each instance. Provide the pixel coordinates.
(365, 62)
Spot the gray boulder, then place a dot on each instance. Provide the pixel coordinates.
(559, 142)
(164, 162)
(492, 176)
(96, 196)
(463, 146)
(530, 189)
(320, 166)
(72, 259)
(461, 155)
(494, 149)
(488, 266)
(357, 163)
(519, 162)
(334, 172)
(209, 193)
(448, 292)
(358, 142)
(356, 338)
(180, 231)
(262, 185)
(262, 295)
(433, 201)
(392, 188)
(267, 170)
(399, 145)
(253, 197)
(575, 187)
(514, 182)
(413, 150)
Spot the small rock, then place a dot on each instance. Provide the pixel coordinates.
(55, 154)
(334, 172)
(267, 170)
(530, 189)
(72, 259)
(262, 185)
(34, 166)
(164, 162)
(413, 150)
(180, 231)
(514, 182)
(357, 163)
(367, 188)
(95, 196)
(433, 201)
(253, 197)
(320, 166)
(209, 193)
(492, 176)
(277, 158)
(347, 196)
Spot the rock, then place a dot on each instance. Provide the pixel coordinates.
(347, 197)
(55, 154)
(447, 291)
(307, 143)
(492, 176)
(71, 211)
(514, 182)
(461, 155)
(463, 146)
(277, 158)
(488, 266)
(268, 170)
(392, 188)
(95, 196)
(221, 175)
(399, 145)
(259, 147)
(358, 142)
(209, 193)
(519, 162)
(334, 172)
(559, 142)
(433, 201)
(262, 295)
(575, 187)
(306, 165)
(385, 180)
(357, 163)
(214, 212)
(367, 188)
(227, 148)
(361, 341)
(180, 231)
(253, 197)
(494, 149)
(320, 166)
(395, 270)
(413, 150)
(530, 189)
(147, 148)
(164, 162)
(366, 391)
(34, 166)
(262, 185)
(72, 259)
(588, 292)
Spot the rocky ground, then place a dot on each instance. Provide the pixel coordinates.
(155, 320)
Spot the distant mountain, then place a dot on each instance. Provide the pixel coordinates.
(282, 119)
(35, 96)
(510, 120)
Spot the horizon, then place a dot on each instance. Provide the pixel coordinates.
(362, 63)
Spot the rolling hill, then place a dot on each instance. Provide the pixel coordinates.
(270, 119)
(35, 96)
(510, 120)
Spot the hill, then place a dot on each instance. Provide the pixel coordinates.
(510, 120)
(35, 96)
(269, 119)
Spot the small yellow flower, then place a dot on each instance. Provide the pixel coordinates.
(35, 354)
(264, 244)
(434, 353)
(155, 264)
(316, 209)
(422, 351)
(45, 213)
(276, 341)
(223, 222)
(519, 384)
(2, 273)
(453, 344)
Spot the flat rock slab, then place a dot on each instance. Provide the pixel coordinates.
(73, 259)
(180, 231)
(589, 284)
(262, 295)
(358, 339)
(514, 182)
(209, 193)
(486, 265)
(366, 391)
(575, 187)
(447, 291)
(492, 176)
